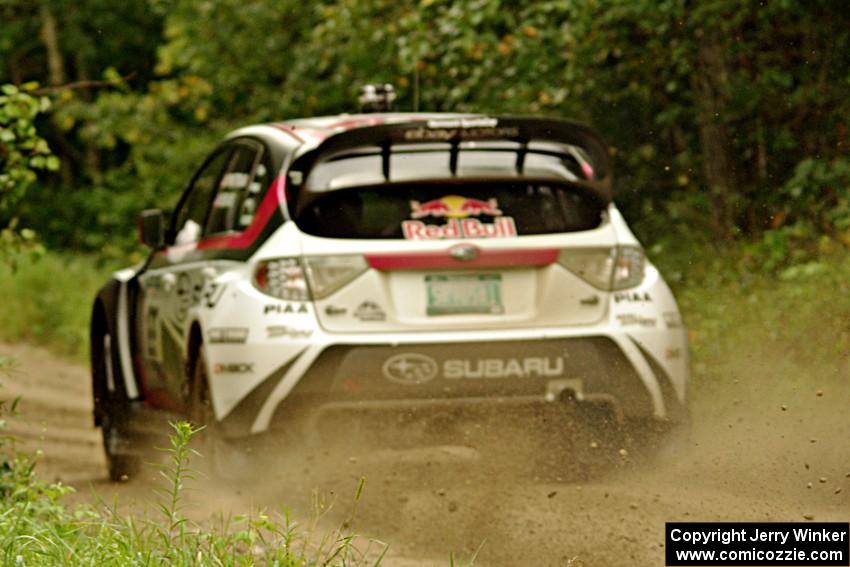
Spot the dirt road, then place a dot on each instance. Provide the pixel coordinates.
(757, 452)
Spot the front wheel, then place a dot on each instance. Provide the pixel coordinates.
(120, 465)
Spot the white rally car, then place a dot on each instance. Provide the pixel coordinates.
(393, 262)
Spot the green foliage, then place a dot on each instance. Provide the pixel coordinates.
(176, 473)
(22, 151)
(38, 528)
(750, 329)
(53, 298)
(93, 44)
(16, 244)
(818, 193)
(163, 135)
(726, 119)
(812, 217)
(242, 49)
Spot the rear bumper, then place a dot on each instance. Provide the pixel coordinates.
(617, 370)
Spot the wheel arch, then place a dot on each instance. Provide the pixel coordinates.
(194, 342)
(98, 326)
(111, 313)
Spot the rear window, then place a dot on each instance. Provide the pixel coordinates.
(422, 211)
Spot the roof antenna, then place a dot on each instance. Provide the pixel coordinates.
(376, 98)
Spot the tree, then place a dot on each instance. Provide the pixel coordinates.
(727, 119)
(23, 153)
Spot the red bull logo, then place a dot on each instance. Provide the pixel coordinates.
(454, 207)
(457, 211)
(502, 227)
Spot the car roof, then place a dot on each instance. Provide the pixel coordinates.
(286, 136)
(318, 128)
(301, 137)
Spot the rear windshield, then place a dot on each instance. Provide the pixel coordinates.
(437, 211)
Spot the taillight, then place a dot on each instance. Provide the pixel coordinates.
(328, 274)
(282, 278)
(620, 267)
(629, 267)
(315, 277)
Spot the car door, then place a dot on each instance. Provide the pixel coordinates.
(171, 286)
(182, 284)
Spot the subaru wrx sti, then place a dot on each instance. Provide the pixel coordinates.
(393, 263)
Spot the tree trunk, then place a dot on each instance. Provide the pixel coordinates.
(710, 86)
(92, 161)
(55, 77)
(50, 38)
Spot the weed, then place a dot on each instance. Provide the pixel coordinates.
(176, 473)
(38, 528)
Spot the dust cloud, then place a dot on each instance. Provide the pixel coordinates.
(763, 445)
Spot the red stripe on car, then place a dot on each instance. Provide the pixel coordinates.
(289, 130)
(443, 260)
(359, 122)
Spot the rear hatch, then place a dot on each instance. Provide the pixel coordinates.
(499, 224)
(440, 279)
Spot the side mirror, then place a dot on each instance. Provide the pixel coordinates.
(152, 228)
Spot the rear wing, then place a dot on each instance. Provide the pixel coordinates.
(506, 147)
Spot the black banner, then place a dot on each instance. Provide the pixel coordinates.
(809, 544)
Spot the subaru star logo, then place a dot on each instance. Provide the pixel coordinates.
(464, 252)
(410, 368)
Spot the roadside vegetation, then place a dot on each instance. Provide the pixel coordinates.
(38, 527)
(745, 327)
(50, 300)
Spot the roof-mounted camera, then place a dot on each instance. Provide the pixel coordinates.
(376, 98)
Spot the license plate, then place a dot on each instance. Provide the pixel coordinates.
(462, 294)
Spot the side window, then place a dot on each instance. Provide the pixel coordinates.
(192, 210)
(255, 192)
(239, 190)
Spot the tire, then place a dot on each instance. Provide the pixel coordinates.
(112, 405)
(223, 458)
(121, 467)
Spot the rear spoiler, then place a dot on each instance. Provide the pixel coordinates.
(526, 135)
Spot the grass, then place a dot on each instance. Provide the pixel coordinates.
(786, 331)
(37, 528)
(48, 300)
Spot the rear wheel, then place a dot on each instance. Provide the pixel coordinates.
(223, 458)
(121, 467)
